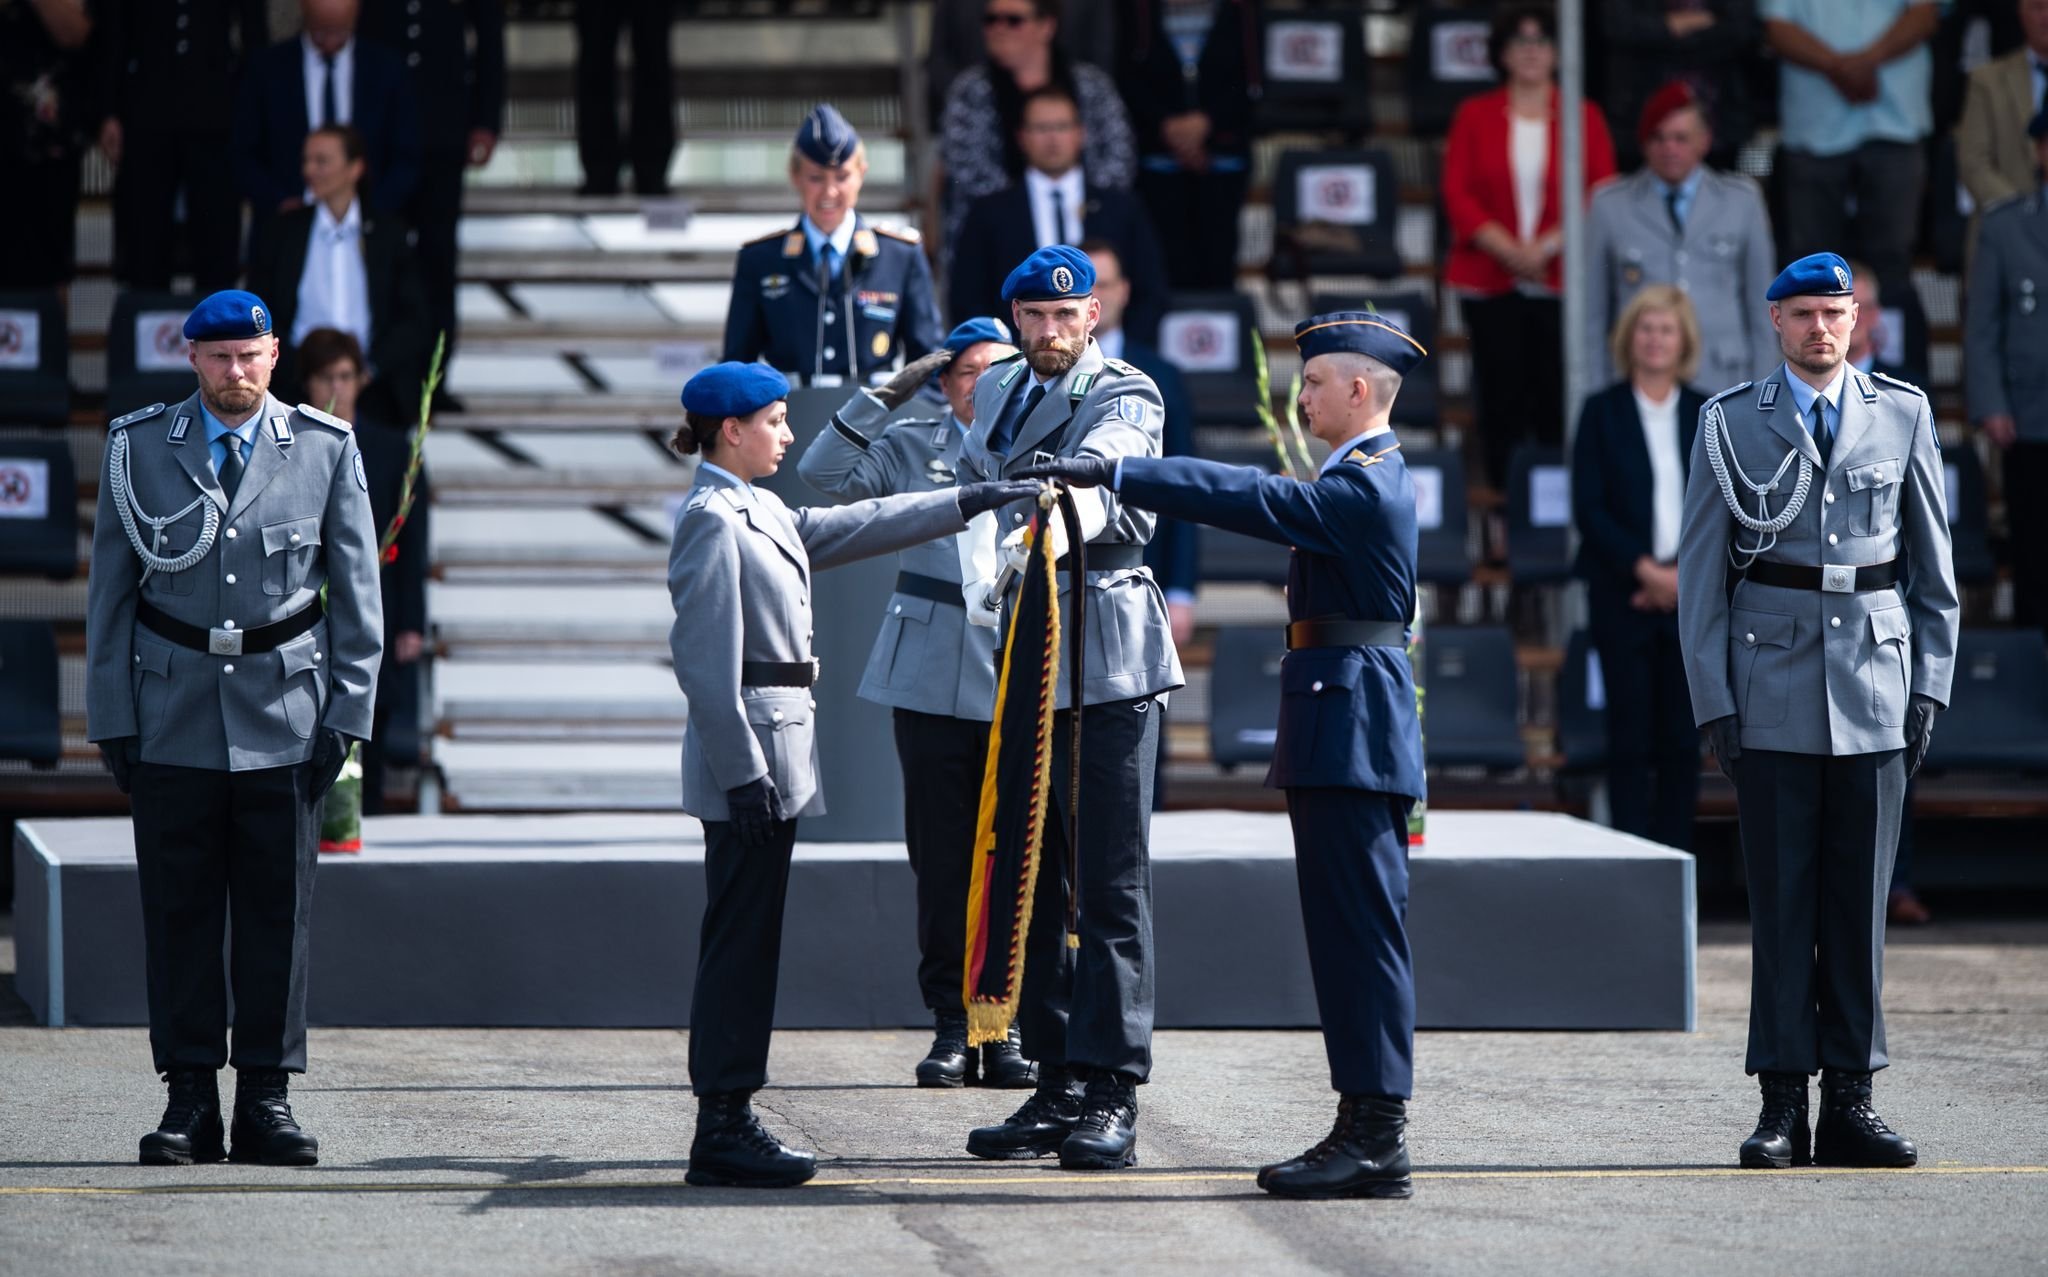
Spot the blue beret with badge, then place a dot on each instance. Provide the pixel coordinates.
(2037, 128)
(232, 314)
(825, 137)
(976, 331)
(1054, 273)
(1814, 275)
(733, 390)
(1358, 332)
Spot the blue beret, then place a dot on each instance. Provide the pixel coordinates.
(1815, 275)
(975, 331)
(229, 315)
(1360, 332)
(1051, 274)
(825, 137)
(2037, 128)
(733, 390)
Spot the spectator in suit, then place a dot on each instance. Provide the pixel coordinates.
(325, 76)
(167, 77)
(45, 116)
(1190, 74)
(1994, 156)
(1629, 463)
(1502, 198)
(1055, 202)
(1872, 334)
(1087, 33)
(651, 139)
(333, 371)
(1698, 43)
(333, 264)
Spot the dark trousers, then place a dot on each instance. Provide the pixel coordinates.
(739, 952)
(1351, 861)
(653, 127)
(155, 167)
(943, 759)
(1818, 836)
(223, 854)
(436, 207)
(2026, 514)
(1517, 375)
(1195, 216)
(1653, 749)
(1885, 180)
(1091, 1007)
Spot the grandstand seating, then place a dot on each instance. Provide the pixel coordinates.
(35, 359)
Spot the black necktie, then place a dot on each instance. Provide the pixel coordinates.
(330, 114)
(1671, 207)
(1022, 407)
(1823, 438)
(231, 465)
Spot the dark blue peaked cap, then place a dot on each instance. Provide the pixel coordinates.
(1359, 332)
(733, 390)
(1053, 273)
(1815, 275)
(229, 315)
(825, 137)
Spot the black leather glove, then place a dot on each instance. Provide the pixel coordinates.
(755, 807)
(1725, 735)
(330, 752)
(975, 498)
(1075, 472)
(121, 753)
(1919, 731)
(896, 391)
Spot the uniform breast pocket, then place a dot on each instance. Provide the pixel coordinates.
(1891, 637)
(911, 622)
(1760, 645)
(1874, 497)
(288, 550)
(1319, 713)
(151, 676)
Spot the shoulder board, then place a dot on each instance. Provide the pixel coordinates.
(310, 413)
(1890, 380)
(907, 234)
(698, 499)
(140, 414)
(1732, 390)
(1006, 359)
(1120, 366)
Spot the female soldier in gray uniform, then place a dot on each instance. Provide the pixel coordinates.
(740, 577)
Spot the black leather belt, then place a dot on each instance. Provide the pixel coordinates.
(226, 641)
(778, 673)
(1113, 557)
(1344, 631)
(1832, 578)
(919, 586)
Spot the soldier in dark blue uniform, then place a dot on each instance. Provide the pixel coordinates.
(1349, 753)
(834, 299)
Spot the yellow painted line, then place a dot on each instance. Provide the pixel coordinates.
(1046, 1178)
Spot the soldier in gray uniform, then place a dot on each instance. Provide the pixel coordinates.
(936, 672)
(740, 577)
(224, 697)
(1677, 221)
(1817, 494)
(1086, 1015)
(2005, 367)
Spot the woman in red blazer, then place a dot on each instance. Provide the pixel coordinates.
(1501, 200)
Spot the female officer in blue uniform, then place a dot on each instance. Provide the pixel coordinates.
(1349, 753)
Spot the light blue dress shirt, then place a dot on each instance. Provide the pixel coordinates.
(217, 437)
(1818, 120)
(840, 240)
(1688, 190)
(1803, 396)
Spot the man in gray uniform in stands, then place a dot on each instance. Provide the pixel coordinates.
(224, 695)
(1819, 490)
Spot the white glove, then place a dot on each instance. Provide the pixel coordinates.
(975, 596)
(1020, 554)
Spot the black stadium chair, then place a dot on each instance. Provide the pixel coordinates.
(1539, 500)
(1969, 517)
(1446, 64)
(1417, 404)
(1581, 724)
(35, 359)
(1316, 76)
(146, 351)
(1244, 694)
(1997, 717)
(1209, 337)
(1443, 555)
(1469, 698)
(38, 508)
(1334, 214)
(30, 722)
(1233, 556)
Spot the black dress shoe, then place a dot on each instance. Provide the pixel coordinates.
(1003, 1065)
(950, 1062)
(1849, 1132)
(1780, 1139)
(1364, 1155)
(265, 1131)
(732, 1149)
(1106, 1137)
(1038, 1128)
(190, 1131)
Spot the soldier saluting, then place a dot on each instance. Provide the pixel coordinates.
(1819, 491)
(224, 696)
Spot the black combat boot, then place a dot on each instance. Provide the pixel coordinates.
(1780, 1139)
(1849, 1132)
(733, 1149)
(265, 1131)
(1106, 1137)
(1036, 1129)
(1364, 1155)
(1003, 1065)
(950, 1062)
(190, 1130)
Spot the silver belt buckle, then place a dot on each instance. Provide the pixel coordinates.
(224, 642)
(1837, 579)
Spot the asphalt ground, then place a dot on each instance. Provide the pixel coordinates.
(512, 1151)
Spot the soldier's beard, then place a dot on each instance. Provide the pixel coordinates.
(1053, 356)
(234, 399)
(1809, 361)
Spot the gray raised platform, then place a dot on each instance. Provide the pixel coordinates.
(1517, 921)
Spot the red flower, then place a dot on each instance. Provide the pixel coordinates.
(391, 554)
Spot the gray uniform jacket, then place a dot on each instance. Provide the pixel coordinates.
(1725, 263)
(2005, 331)
(1813, 671)
(299, 520)
(1101, 408)
(927, 657)
(739, 573)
